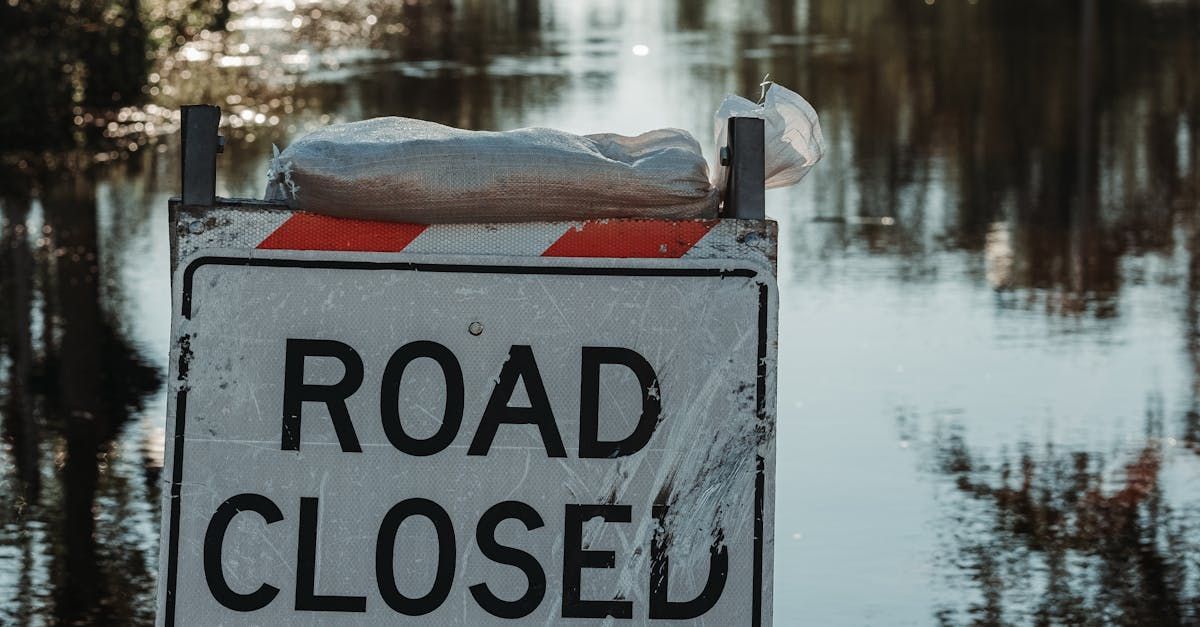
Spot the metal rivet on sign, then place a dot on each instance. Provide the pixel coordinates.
(475, 328)
(196, 227)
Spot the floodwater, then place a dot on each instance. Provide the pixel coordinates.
(989, 378)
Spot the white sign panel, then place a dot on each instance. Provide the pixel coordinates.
(368, 438)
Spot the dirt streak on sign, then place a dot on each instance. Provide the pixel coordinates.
(366, 437)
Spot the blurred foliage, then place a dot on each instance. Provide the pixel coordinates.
(70, 61)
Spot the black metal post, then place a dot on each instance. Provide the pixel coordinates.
(745, 194)
(200, 147)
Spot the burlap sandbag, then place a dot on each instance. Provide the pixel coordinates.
(408, 170)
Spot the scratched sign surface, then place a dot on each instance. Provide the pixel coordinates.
(364, 437)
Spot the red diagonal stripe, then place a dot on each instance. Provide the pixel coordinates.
(630, 238)
(308, 231)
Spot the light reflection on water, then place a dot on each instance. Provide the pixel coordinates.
(989, 340)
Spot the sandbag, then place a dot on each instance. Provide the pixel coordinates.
(407, 170)
(792, 139)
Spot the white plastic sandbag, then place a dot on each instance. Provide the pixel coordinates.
(408, 170)
(792, 138)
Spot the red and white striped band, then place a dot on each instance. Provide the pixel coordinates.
(235, 226)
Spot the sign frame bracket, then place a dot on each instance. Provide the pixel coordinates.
(201, 145)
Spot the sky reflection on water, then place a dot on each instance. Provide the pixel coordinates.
(990, 313)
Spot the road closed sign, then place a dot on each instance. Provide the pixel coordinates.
(441, 438)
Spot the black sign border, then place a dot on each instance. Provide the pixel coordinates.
(344, 264)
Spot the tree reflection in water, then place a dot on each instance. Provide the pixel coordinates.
(1067, 537)
(72, 381)
(69, 392)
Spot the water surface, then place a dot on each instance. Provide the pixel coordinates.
(989, 376)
